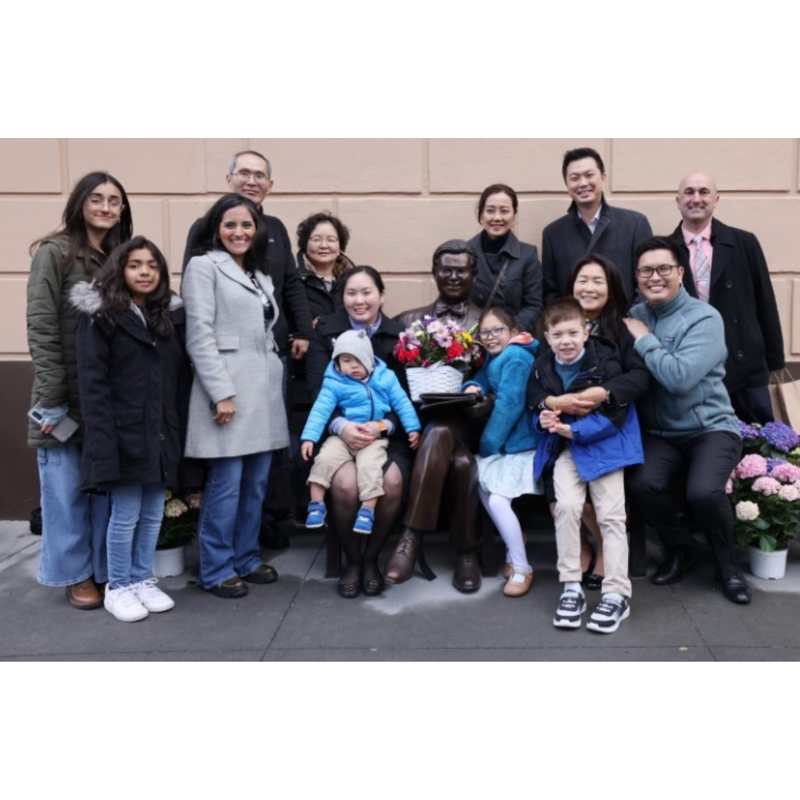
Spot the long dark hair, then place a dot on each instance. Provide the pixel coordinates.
(208, 236)
(609, 323)
(116, 297)
(73, 225)
(363, 269)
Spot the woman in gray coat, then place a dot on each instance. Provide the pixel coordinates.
(236, 411)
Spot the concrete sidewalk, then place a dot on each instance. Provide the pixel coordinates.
(302, 618)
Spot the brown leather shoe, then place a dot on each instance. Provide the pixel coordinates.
(400, 566)
(467, 577)
(84, 595)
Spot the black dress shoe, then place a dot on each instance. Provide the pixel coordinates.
(736, 590)
(230, 589)
(372, 582)
(671, 571)
(467, 577)
(263, 573)
(349, 585)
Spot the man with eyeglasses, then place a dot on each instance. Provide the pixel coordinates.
(445, 473)
(726, 267)
(688, 424)
(590, 225)
(250, 174)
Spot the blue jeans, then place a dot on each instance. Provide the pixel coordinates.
(136, 512)
(73, 523)
(230, 518)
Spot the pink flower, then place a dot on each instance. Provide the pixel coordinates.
(751, 466)
(729, 487)
(767, 486)
(786, 473)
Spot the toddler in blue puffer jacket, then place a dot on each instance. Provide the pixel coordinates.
(364, 390)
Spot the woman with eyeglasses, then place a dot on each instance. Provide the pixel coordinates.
(96, 219)
(509, 272)
(322, 240)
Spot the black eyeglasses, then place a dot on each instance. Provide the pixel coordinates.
(492, 333)
(663, 271)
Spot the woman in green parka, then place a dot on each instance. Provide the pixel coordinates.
(96, 219)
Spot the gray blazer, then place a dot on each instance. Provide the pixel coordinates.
(233, 356)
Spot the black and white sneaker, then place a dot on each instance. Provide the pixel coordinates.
(570, 607)
(610, 612)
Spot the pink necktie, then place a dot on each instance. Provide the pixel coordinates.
(702, 270)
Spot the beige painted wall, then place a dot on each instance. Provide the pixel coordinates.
(399, 197)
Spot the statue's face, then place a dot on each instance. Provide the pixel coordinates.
(454, 277)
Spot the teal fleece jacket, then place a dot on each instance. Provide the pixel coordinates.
(685, 352)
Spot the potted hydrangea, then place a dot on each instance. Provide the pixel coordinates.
(765, 492)
(436, 354)
(178, 527)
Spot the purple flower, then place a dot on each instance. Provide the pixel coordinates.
(774, 462)
(748, 431)
(780, 436)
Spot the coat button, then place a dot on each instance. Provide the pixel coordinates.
(161, 436)
(729, 284)
(740, 354)
(735, 320)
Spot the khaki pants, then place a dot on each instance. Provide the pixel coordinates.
(608, 497)
(369, 465)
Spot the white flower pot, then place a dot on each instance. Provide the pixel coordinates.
(169, 563)
(771, 566)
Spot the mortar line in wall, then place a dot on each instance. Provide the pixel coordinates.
(63, 146)
(426, 167)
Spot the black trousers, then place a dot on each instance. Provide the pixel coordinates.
(707, 462)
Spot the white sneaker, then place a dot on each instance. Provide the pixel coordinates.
(571, 606)
(151, 597)
(124, 604)
(608, 615)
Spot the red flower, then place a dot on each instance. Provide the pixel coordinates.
(456, 350)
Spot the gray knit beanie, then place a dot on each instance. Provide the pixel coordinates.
(355, 343)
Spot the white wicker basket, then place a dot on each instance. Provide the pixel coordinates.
(438, 379)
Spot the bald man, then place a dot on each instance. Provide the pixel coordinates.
(726, 268)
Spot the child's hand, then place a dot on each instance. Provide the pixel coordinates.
(549, 419)
(562, 429)
(306, 449)
(413, 440)
(472, 390)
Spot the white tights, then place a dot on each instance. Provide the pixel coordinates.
(504, 518)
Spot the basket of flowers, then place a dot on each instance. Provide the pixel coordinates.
(178, 527)
(436, 354)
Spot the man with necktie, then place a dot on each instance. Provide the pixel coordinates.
(726, 268)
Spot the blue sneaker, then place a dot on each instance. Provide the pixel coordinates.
(364, 520)
(316, 515)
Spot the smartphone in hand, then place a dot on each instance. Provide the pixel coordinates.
(63, 431)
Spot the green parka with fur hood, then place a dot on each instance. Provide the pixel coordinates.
(52, 330)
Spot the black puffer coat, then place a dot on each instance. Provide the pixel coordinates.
(134, 390)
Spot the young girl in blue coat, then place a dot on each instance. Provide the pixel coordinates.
(505, 461)
(133, 378)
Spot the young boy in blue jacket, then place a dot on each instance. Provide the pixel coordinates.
(584, 452)
(364, 389)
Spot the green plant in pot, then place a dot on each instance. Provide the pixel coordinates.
(181, 517)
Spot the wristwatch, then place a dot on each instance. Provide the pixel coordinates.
(384, 430)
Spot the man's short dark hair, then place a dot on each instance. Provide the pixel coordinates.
(455, 247)
(579, 153)
(657, 243)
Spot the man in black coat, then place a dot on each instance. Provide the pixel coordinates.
(729, 272)
(589, 226)
(250, 174)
